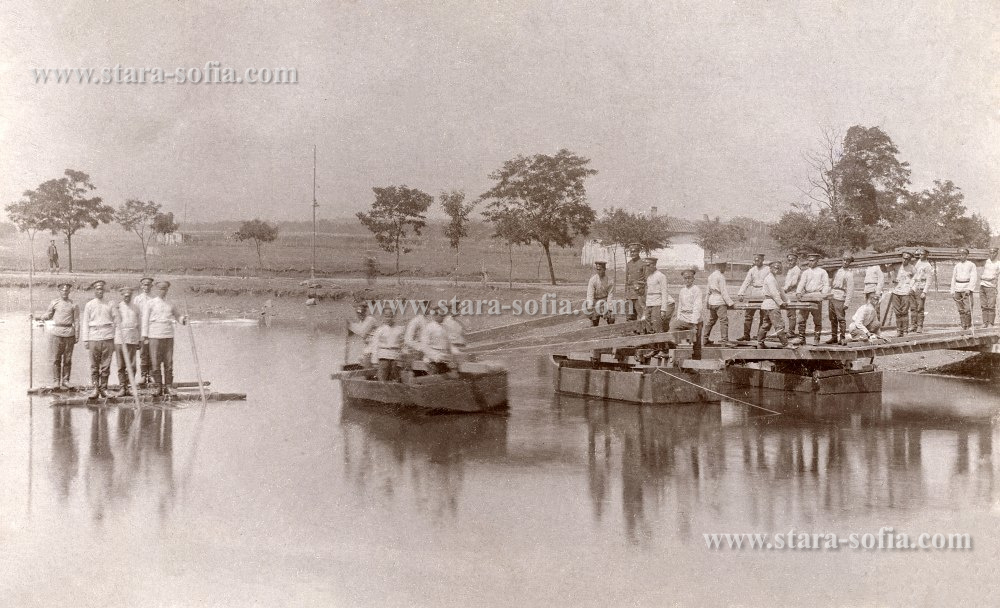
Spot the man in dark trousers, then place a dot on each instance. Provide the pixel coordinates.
(635, 283)
(158, 318)
(65, 317)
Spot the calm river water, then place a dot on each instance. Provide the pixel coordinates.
(291, 499)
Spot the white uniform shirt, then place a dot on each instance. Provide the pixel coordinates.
(456, 331)
(718, 292)
(843, 285)
(140, 299)
(922, 273)
(365, 328)
(387, 341)
(65, 316)
(97, 321)
(773, 297)
(599, 289)
(414, 329)
(990, 271)
(963, 278)
(753, 284)
(127, 319)
(874, 279)
(434, 342)
(656, 291)
(689, 303)
(866, 317)
(904, 280)
(792, 279)
(813, 280)
(158, 318)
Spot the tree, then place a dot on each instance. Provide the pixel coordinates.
(803, 229)
(396, 211)
(509, 227)
(259, 232)
(29, 218)
(65, 209)
(139, 217)
(456, 209)
(547, 194)
(164, 223)
(868, 176)
(715, 235)
(910, 231)
(621, 228)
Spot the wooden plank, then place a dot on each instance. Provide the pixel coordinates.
(50, 390)
(127, 402)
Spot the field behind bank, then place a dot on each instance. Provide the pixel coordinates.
(338, 254)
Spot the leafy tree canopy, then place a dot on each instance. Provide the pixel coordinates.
(396, 212)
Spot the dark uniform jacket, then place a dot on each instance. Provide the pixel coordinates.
(635, 280)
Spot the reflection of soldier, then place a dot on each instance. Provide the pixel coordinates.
(64, 453)
(635, 283)
(100, 465)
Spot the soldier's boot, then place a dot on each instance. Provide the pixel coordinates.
(95, 379)
(816, 338)
(783, 338)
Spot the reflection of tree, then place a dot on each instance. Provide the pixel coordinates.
(389, 452)
(64, 451)
(827, 456)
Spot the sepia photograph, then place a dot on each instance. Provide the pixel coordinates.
(534, 303)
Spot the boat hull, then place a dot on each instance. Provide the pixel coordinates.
(646, 385)
(832, 382)
(470, 392)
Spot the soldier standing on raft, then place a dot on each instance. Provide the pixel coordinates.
(387, 344)
(97, 332)
(719, 303)
(435, 344)
(814, 287)
(635, 283)
(792, 276)
(988, 289)
(364, 327)
(963, 285)
(774, 300)
(599, 291)
(158, 317)
(659, 306)
(842, 286)
(65, 317)
(922, 272)
(752, 287)
(689, 304)
(902, 294)
(127, 318)
(146, 362)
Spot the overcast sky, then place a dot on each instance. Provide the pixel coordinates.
(695, 107)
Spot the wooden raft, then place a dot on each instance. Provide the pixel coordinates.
(54, 390)
(129, 402)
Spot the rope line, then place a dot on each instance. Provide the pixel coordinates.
(705, 388)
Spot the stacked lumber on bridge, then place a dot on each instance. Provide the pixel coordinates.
(934, 254)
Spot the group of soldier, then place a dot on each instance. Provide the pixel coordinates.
(135, 327)
(797, 299)
(434, 335)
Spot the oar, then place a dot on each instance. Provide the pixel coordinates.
(194, 354)
(129, 368)
(347, 340)
(31, 322)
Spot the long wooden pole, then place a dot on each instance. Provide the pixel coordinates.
(31, 314)
(194, 355)
(347, 341)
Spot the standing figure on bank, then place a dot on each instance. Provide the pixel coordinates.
(65, 317)
(793, 273)
(840, 301)
(599, 291)
(719, 303)
(158, 318)
(922, 273)
(988, 289)
(53, 253)
(752, 287)
(775, 299)
(387, 345)
(635, 283)
(963, 285)
(127, 320)
(659, 304)
(813, 288)
(902, 294)
(145, 368)
(865, 324)
(97, 331)
(689, 304)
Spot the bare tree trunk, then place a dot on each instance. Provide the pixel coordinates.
(548, 257)
(510, 266)
(69, 250)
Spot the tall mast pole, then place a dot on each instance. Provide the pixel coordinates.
(312, 269)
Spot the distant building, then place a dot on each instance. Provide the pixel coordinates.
(174, 238)
(683, 251)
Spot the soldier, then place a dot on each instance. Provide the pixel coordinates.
(53, 253)
(988, 289)
(659, 306)
(874, 280)
(813, 288)
(387, 343)
(719, 303)
(842, 288)
(902, 294)
(963, 284)
(689, 305)
(791, 283)
(435, 344)
(922, 272)
(414, 329)
(65, 317)
(158, 318)
(364, 327)
(146, 363)
(97, 332)
(635, 283)
(752, 287)
(127, 318)
(774, 300)
(599, 291)
(455, 329)
(865, 324)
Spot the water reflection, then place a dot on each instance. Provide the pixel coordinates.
(695, 467)
(135, 460)
(387, 449)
